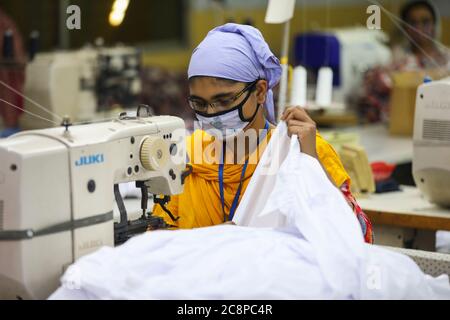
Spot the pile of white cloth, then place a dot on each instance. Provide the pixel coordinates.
(296, 239)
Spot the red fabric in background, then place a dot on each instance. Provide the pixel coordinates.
(382, 170)
(11, 72)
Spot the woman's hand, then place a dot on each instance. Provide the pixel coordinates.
(299, 123)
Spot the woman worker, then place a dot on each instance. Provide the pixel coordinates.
(419, 50)
(231, 74)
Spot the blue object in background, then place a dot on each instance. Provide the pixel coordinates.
(314, 50)
(9, 132)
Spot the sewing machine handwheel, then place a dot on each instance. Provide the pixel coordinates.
(154, 153)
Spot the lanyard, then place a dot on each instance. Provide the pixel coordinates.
(238, 193)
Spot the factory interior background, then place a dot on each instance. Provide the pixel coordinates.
(165, 48)
(81, 61)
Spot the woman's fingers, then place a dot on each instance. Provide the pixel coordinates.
(294, 122)
(296, 113)
(300, 124)
(302, 130)
(286, 113)
(306, 134)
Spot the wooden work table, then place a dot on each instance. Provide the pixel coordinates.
(406, 208)
(405, 218)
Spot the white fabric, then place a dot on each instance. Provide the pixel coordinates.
(302, 196)
(129, 190)
(316, 251)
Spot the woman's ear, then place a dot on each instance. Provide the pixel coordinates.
(261, 91)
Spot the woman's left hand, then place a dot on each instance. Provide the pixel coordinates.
(299, 123)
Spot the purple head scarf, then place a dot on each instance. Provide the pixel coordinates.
(237, 52)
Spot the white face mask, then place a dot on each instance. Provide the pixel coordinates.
(228, 123)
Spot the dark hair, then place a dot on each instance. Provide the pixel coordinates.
(408, 7)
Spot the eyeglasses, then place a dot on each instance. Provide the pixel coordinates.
(219, 105)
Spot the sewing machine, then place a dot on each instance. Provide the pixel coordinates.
(354, 158)
(431, 152)
(83, 84)
(56, 193)
(348, 52)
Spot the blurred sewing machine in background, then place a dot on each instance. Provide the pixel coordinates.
(345, 54)
(354, 158)
(83, 84)
(431, 153)
(57, 192)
